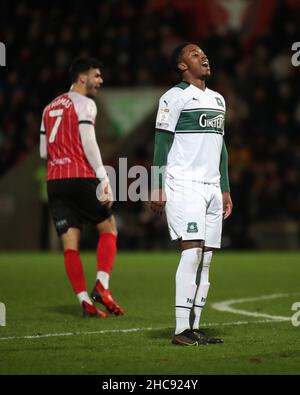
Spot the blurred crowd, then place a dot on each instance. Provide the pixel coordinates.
(134, 40)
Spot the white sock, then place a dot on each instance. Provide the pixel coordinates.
(103, 277)
(186, 287)
(203, 288)
(84, 297)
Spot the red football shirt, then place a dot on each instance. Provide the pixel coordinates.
(60, 122)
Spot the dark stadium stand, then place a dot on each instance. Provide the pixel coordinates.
(252, 69)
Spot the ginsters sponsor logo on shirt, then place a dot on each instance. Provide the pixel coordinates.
(216, 122)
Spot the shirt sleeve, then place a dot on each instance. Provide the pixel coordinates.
(87, 112)
(169, 109)
(91, 149)
(42, 128)
(225, 186)
(43, 141)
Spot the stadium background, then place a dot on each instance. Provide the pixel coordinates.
(249, 47)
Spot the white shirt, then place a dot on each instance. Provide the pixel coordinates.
(196, 117)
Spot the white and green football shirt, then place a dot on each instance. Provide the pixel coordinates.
(196, 118)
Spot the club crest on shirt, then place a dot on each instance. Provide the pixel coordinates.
(219, 101)
(192, 227)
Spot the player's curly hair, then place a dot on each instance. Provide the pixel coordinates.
(82, 65)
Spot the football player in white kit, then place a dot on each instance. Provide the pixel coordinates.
(194, 185)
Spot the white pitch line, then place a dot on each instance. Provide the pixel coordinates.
(212, 324)
(241, 323)
(79, 333)
(220, 306)
(226, 306)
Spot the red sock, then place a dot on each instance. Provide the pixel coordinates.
(74, 270)
(106, 252)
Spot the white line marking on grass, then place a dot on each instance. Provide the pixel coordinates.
(106, 331)
(226, 305)
(220, 306)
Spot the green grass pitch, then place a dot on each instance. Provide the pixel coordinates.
(45, 333)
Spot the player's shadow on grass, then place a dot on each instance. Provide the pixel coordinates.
(214, 332)
(168, 332)
(72, 310)
(161, 333)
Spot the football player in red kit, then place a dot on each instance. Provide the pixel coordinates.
(75, 169)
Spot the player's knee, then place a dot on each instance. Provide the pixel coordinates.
(70, 239)
(193, 255)
(108, 226)
(188, 244)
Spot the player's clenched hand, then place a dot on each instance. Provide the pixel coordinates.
(105, 194)
(158, 200)
(227, 205)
